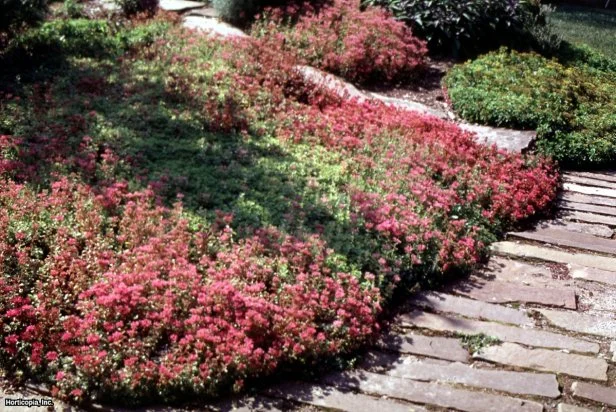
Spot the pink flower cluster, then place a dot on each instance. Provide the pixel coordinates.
(132, 300)
(362, 46)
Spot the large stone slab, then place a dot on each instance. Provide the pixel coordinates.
(585, 207)
(591, 200)
(257, 403)
(565, 407)
(409, 105)
(429, 393)
(545, 360)
(587, 228)
(592, 274)
(589, 181)
(552, 255)
(578, 322)
(506, 292)
(212, 27)
(586, 217)
(432, 346)
(341, 400)
(410, 367)
(596, 393)
(204, 12)
(469, 308)
(608, 177)
(507, 139)
(505, 333)
(179, 5)
(329, 81)
(590, 190)
(568, 239)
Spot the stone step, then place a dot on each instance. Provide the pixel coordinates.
(545, 360)
(508, 292)
(520, 272)
(587, 228)
(235, 404)
(592, 175)
(525, 251)
(212, 27)
(578, 322)
(590, 190)
(592, 274)
(429, 393)
(442, 302)
(584, 207)
(565, 407)
(591, 200)
(410, 367)
(204, 12)
(179, 5)
(329, 397)
(596, 393)
(431, 346)
(568, 239)
(506, 333)
(585, 217)
(569, 178)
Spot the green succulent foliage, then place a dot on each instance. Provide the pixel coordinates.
(571, 107)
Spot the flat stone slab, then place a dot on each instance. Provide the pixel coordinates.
(520, 383)
(568, 239)
(511, 140)
(608, 177)
(204, 12)
(236, 404)
(469, 308)
(587, 217)
(333, 83)
(597, 393)
(591, 200)
(589, 181)
(585, 207)
(341, 400)
(587, 228)
(590, 190)
(430, 393)
(409, 105)
(592, 274)
(212, 27)
(530, 337)
(179, 5)
(517, 271)
(525, 251)
(565, 407)
(432, 346)
(507, 292)
(579, 322)
(545, 360)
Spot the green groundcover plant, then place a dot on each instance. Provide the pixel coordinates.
(571, 107)
(299, 215)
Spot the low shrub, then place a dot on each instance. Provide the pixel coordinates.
(469, 27)
(569, 106)
(111, 294)
(361, 46)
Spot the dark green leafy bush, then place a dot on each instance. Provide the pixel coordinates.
(14, 14)
(467, 27)
(571, 107)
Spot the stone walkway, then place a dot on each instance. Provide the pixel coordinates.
(544, 306)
